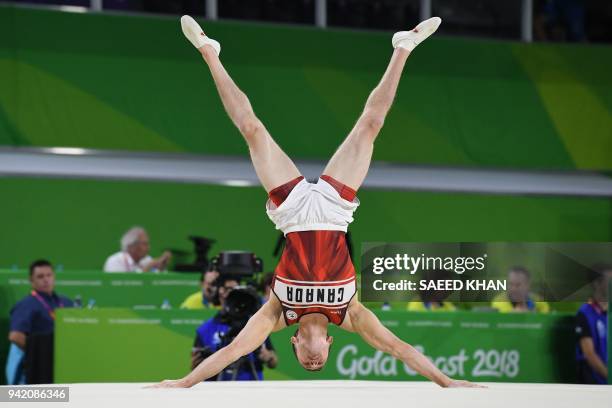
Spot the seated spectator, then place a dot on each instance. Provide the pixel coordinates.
(134, 255)
(34, 315)
(210, 338)
(592, 331)
(430, 299)
(431, 306)
(518, 297)
(205, 297)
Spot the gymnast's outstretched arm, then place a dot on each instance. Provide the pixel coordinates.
(365, 323)
(252, 336)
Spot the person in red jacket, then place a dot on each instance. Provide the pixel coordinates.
(314, 282)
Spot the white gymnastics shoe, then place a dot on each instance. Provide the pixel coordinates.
(410, 39)
(196, 36)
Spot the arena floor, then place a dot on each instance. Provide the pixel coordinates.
(336, 394)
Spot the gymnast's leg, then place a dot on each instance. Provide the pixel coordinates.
(350, 163)
(272, 165)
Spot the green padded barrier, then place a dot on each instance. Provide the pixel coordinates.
(97, 289)
(133, 82)
(475, 346)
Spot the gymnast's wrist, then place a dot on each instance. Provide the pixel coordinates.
(187, 382)
(444, 381)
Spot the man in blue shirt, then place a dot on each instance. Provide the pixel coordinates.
(35, 313)
(592, 329)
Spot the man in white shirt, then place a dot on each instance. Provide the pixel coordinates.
(134, 255)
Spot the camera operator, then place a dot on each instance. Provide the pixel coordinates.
(238, 304)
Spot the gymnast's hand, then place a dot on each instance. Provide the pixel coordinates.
(463, 384)
(182, 383)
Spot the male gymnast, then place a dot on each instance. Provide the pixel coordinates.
(314, 283)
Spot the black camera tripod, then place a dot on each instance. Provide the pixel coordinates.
(235, 367)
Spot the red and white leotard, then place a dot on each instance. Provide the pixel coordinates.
(315, 273)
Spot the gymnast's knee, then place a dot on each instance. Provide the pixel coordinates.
(250, 127)
(370, 125)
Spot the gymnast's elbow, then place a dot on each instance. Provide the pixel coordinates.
(234, 351)
(237, 349)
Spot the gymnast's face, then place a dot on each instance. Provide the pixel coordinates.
(311, 350)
